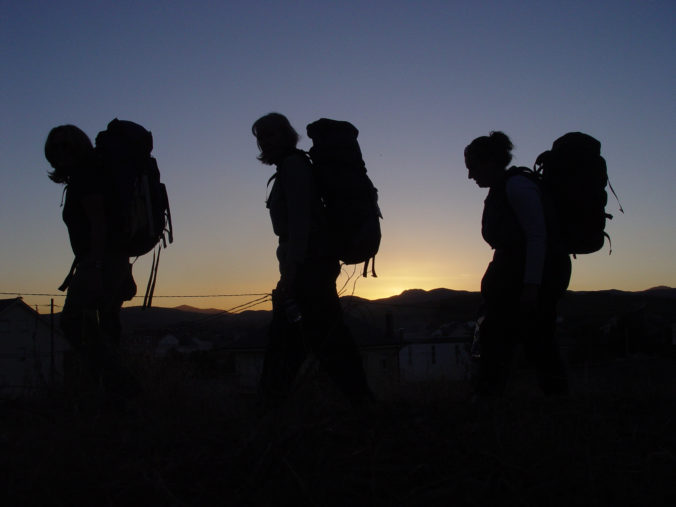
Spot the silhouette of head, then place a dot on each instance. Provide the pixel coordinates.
(487, 157)
(66, 149)
(275, 136)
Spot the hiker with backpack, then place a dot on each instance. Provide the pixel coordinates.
(529, 273)
(307, 315)
(100, 278)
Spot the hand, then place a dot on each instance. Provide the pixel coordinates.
(528, 301)
(87, 285)
(287, 281)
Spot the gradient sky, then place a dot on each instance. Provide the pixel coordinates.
(419, 79)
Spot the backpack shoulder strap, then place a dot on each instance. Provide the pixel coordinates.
(524, 171)
(69, 276)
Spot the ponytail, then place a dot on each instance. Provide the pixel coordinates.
(496, 147)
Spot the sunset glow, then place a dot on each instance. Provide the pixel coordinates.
(419, 80)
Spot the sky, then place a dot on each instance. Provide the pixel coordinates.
(419, 79)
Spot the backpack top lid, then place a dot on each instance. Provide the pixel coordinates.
(124, 139)
(571, 148)
(326, 131)
(334, 143)
(578, 141)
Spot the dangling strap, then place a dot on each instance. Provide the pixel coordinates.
(69, 277)
(616, 198)
(170, 231)
(611, 216)
(267, 188)
(152, 288)
(365, 273)
(150, 281)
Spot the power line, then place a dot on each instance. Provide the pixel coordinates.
(214, 295)
(168, 296)
(241, 308)
(30, 294)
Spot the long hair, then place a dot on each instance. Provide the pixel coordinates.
(496, 147)
(285, 137)
(71, 139)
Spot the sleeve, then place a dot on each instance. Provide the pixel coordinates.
(298, 188)
(524, 198)
(90, 179)
(94, 208)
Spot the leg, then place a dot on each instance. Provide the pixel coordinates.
(546, 354)
(547, 358)
(284, 355)
(79, 324)
(497, 350)
(117, 379)
(499, 331)
(330, 339)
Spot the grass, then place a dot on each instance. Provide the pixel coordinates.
(192, 440)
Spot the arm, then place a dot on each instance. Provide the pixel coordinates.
(524, 198)
(94, 208)
(87, 281)
(298, 186)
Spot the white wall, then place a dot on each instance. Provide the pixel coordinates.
(432, 361)
(26, 351)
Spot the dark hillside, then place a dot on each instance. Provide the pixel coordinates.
(192, 438)
(189, 441)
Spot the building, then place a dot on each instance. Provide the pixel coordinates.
(441, 355)
(379, 352)
(31, 351)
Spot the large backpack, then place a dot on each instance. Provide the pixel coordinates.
(349, 197)
(575, 176)
(136, 201)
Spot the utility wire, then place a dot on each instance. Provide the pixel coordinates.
(172, 296)
(261, 294)
(241, 308)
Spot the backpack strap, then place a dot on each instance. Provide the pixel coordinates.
(524, 171)
(69, 276)
(365, 273)
(150, 288)
(616, 198)
(170, 226)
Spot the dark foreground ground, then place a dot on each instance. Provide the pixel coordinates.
(190, 441)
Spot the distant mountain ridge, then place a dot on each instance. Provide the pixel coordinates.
(662, 290)
(408, 296)
(412, 309)
(192, 309)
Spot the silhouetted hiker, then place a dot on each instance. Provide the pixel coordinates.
(100, 278)
(529, 272)
(307, 316)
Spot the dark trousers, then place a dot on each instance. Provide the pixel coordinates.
(321, 331)
(504, 326)
(92, 328)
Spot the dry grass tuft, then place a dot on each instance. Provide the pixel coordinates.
(191, 439)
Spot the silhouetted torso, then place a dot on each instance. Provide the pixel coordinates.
(85, 181)
(296, 213)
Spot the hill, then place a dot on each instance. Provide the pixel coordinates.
(190, 441)
(191, 437)
(415, 310)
